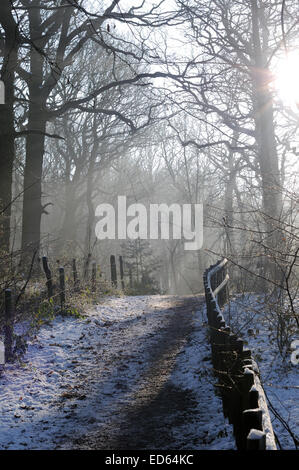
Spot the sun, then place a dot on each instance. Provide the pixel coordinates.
(286, 80)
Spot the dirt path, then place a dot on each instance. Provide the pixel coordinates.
(158, 406)
(134, 373)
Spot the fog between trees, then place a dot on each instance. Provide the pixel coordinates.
(164, 102)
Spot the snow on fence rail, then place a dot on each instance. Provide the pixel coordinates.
(6, 348)
(243, 397)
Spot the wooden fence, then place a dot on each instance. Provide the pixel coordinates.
(58, 290)
(243, 397)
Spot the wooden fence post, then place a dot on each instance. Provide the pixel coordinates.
(113, 271)
(48, 274)
(93, 276)
(253, 398)
(121, 270)
(251, 419)
(8, 328)
(62, 287)
(256, 440)
(246, 385)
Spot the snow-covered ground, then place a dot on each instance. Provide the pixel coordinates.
(79, 374)
(280, 378)
(194, 372)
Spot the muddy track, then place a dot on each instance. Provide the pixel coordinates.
(149, 421)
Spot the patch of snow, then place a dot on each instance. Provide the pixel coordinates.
(194, 372)
(255, 434)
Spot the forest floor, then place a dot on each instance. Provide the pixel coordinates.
(134, 373)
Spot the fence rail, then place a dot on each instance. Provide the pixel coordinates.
(243, 397)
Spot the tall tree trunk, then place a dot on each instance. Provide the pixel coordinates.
(173, 277)
(90, 216)
(89, 188)
(35, 144)
(266, 143)
(7, 146)
(229, 248)
(32, 205)
(69, 225)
